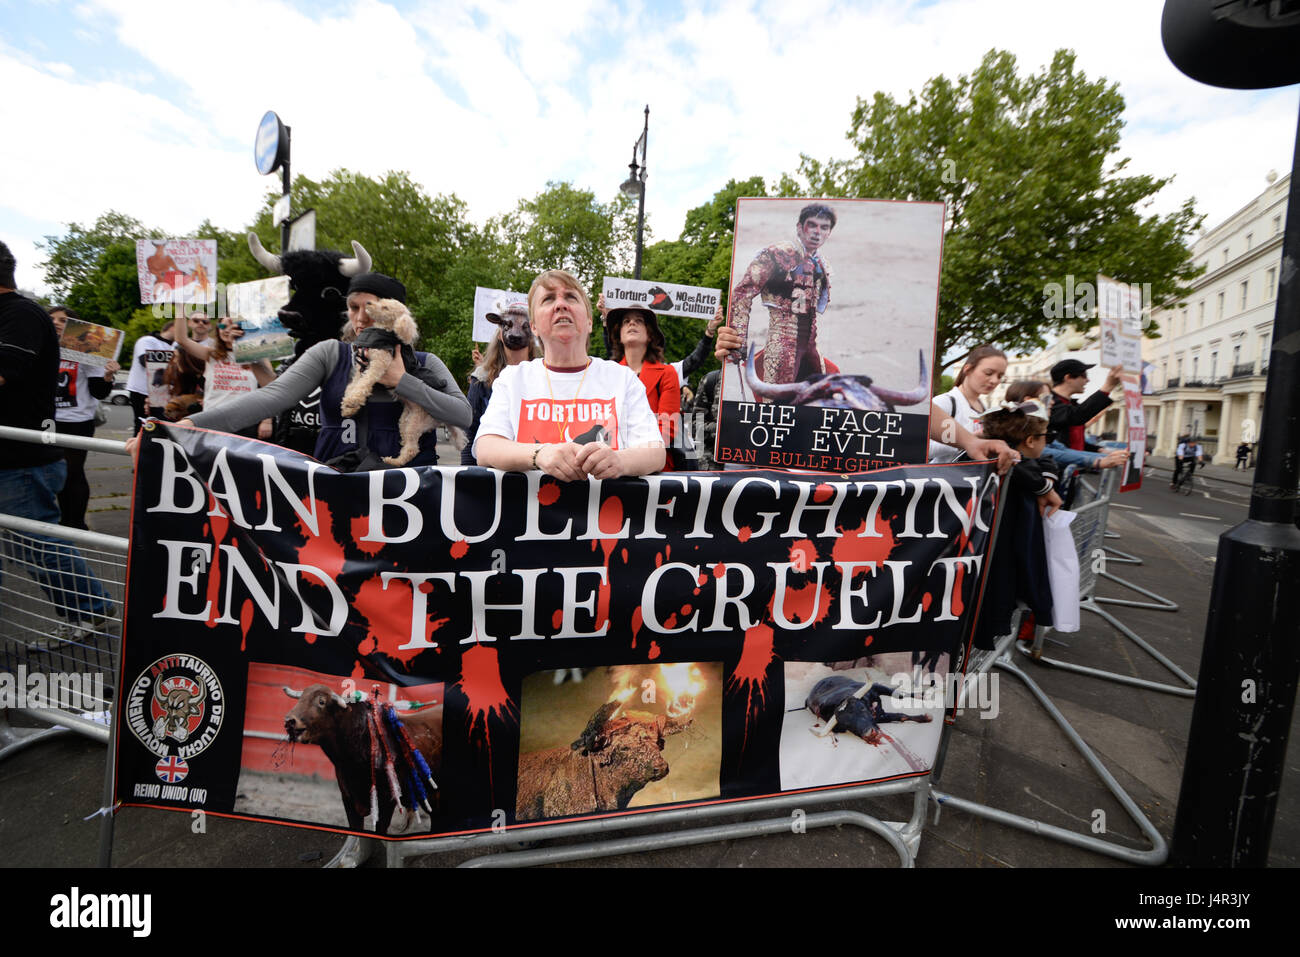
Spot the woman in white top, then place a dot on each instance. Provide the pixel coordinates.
(224, 378)
(980, 374)
(568, 414)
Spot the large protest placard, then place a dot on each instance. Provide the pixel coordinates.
(179, 271)
(1137, 433)
(837, 301)
(256, 307)
(707, 627)
(1119, 312)
(491, 300)
(90, 344)
(662, 298)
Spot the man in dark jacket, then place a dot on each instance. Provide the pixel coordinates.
(1068, 417)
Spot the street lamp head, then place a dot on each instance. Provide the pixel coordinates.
(632, 186)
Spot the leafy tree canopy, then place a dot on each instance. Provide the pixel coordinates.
(1033, 193)
(91, 269)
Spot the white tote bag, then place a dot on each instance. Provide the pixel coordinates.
(1062, 570)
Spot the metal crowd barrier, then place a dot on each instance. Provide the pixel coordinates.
(1088, 530)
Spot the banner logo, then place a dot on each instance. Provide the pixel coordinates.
(175, 710)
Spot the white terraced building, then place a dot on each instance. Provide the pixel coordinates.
(1211, 360)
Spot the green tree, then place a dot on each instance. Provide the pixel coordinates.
(1033, 193)
(92, 270)
(701, 256)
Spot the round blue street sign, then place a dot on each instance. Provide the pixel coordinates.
(272, 144)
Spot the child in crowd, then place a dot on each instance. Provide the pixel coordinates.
(1018, 571)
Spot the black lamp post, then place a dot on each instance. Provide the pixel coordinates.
(1251, 658)
(634, 185)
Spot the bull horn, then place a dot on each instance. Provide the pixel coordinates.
(290, 692)
(268, 261)
(906, 398)
(766, 389)
(358, 263)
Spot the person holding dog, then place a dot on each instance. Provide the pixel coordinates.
(568, 414)
(356, 443)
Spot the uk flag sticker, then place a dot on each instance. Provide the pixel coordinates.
(171, 769)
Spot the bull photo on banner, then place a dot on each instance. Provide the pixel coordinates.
(440, 650)
(837, 303)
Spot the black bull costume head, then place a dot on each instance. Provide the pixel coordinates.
(317, 309)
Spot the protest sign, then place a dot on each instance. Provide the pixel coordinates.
(491, 300)
(1119, 311)
(694, 614)
(1137, 433)
(180, 271)
(256, 305)
(662, 298)
(90, 344)
(839, 326)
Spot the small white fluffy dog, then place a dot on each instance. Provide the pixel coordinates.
(390, 315)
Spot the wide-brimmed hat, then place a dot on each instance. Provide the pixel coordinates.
(615, 319)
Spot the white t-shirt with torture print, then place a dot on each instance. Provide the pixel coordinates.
(606, 401)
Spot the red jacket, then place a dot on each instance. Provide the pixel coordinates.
(664, 394)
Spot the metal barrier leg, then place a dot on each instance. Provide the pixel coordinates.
(1159, 602)
(13, 740)
(1089, 605)
(1159, 850)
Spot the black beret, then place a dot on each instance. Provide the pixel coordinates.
(385, 287)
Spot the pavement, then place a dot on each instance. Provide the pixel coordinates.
(1018, 760)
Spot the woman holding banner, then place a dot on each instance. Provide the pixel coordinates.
(568, 414)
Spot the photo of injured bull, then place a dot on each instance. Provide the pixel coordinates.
(837, 303)
(844, 723)
(340, 752)
(624, 736)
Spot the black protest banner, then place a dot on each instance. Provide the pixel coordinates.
(500, 648)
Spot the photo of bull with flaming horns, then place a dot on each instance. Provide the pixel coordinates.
(625, 736)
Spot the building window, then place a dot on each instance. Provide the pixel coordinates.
(1277, 225)
(1220, 313)
(1200, 314)
(1214, 364)
(1236, 358)
(1179, 368)
(1196, 361)
(1270, 283)
(1244, 289)
(1249, 237)
(1225, 255)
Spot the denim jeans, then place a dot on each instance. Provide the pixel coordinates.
(1063, 455)
(57, 567)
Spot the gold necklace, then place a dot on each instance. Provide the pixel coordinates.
(559, 431)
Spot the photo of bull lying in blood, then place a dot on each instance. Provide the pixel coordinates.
(382, 762)
(835, 390)
(853, 707)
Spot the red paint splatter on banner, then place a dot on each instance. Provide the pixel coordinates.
(851, 548)
(957, 604)
(750, 673)
(668, 551)
(671, 621)
(963, 540)
(220, 523)
(459, 548)
(719, 570)
(368, 646)
(624, 554)
(807, 601)
(744, 533)
(360, 528)
(257, 499)
(926, 600)
(548, 493)
(245, 620)
(703, 579)
(637, 622)
(686, 609)
(309, 638)
(388, 614)
(426, 587)
(866, 642)
(659, 559)
(480, 682)
(321, 550)
(557, 616)
(358, 671)
(653, 653)
(822, 492)
(802, 554)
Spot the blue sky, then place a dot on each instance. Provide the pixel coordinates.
(151, 107)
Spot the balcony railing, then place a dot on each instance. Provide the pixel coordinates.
(1243, 369)
(1173, 383)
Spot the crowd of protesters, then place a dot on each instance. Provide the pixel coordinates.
(585, 416)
